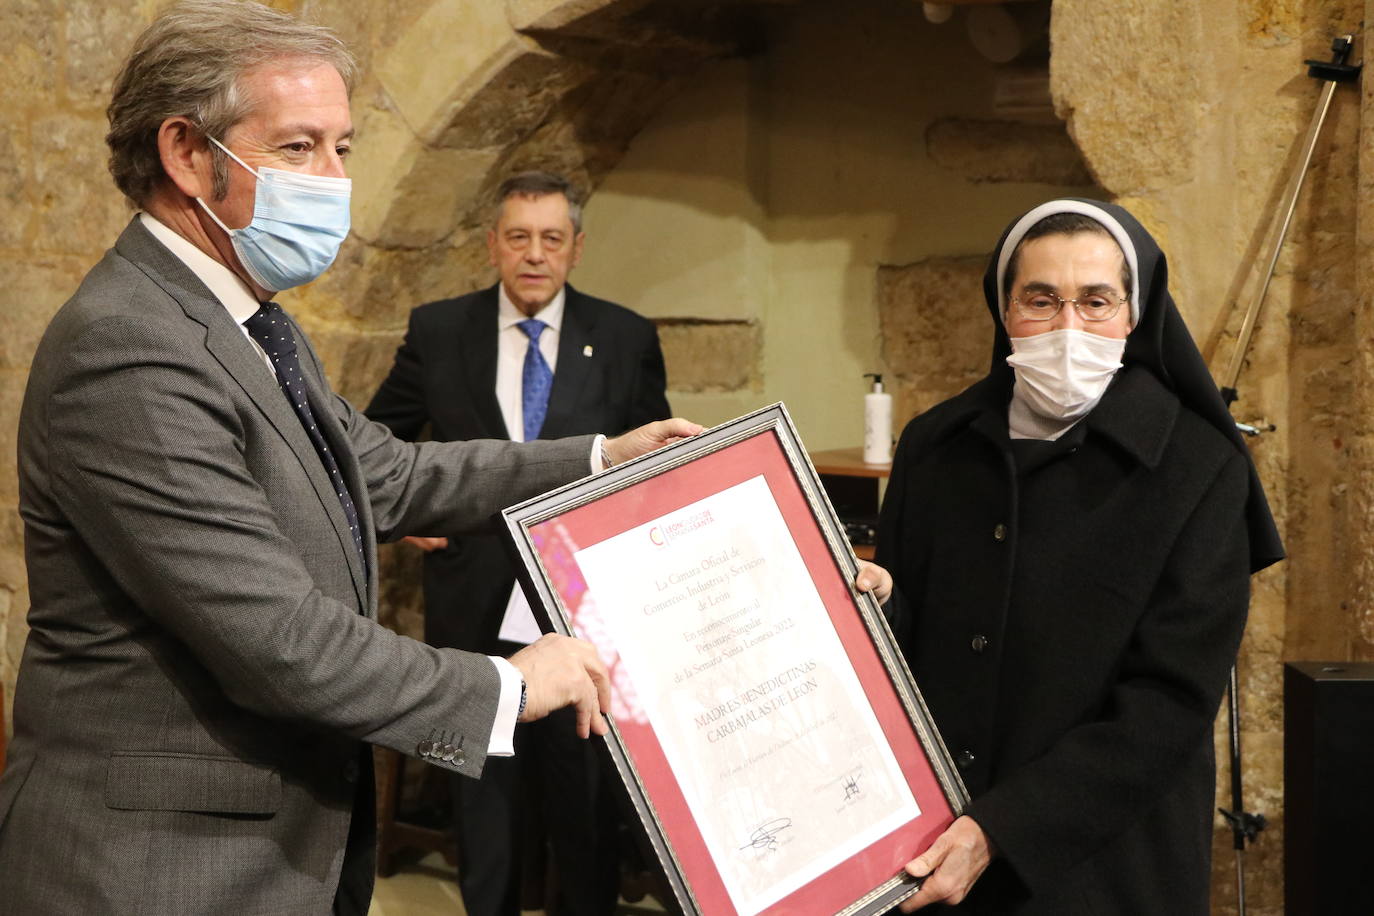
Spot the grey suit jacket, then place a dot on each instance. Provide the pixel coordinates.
(203, 659)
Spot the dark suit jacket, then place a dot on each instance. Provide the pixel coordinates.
(445, 376)
(203, 661)
(1070, 611)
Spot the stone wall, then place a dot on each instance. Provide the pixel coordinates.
(61, 212)
(454, 96)
(937, 335)
(779, 194)
(1186, 113)
(1191, 114)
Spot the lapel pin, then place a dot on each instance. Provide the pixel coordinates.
(587, 350)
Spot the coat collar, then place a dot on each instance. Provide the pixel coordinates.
(477, 343)
(577, 355)
(1137, 413)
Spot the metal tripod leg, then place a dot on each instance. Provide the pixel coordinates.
(1331, 73)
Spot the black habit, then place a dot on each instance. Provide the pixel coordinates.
(1071, 610)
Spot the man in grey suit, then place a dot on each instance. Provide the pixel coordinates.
(204, 669)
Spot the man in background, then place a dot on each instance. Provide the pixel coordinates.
(529, 357)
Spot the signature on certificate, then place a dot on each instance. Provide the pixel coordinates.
(765, 836)
(849, 786)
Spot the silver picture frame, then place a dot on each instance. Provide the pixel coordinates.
(656, 478)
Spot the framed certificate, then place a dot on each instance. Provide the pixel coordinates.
(769, 732)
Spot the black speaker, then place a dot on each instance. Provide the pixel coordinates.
(1328, 785)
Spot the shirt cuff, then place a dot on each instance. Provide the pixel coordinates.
(502, 742)
(598, 452)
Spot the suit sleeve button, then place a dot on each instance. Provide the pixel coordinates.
(965, 759)
(424, 748)
(979, 643)
(999, 532)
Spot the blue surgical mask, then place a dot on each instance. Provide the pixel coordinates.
(299, 222)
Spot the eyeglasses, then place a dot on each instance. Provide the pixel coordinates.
(1042, 306)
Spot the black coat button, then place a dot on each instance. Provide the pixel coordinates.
(979, 643)
(965, 759)
(350, 772)
(999, 532)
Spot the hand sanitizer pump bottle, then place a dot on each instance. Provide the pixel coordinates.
(877, 423)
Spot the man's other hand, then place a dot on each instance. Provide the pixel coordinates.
(561, 671)
(428, 545)
(649, 437)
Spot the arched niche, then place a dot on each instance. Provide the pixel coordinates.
(455, 96)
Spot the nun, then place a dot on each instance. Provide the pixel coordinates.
(1071, 541)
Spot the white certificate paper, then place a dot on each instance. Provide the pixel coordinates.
(749, 690)
(518, 623)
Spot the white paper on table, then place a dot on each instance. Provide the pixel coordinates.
(518, 623)
(749, 690)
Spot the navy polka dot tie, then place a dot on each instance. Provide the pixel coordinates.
(536, 379)
(272, 331)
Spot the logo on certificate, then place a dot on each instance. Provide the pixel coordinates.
(663, 534)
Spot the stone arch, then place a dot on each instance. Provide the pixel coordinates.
(455, 96)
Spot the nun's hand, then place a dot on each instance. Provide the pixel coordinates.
(950, 866)
(873, 578)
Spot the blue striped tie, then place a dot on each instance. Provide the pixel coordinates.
(536, 379)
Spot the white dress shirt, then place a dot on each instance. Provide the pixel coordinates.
(512, 346)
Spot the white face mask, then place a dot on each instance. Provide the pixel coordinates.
(1063, 374)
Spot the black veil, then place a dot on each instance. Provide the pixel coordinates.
(1159, 342)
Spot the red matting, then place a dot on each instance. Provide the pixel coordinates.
(558, 538)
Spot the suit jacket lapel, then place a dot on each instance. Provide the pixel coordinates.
(576, 360)
(226, 342)
(478, 347)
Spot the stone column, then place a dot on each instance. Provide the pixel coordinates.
(1360, 441)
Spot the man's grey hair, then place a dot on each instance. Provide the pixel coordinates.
(538, 184)
(189, 62)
